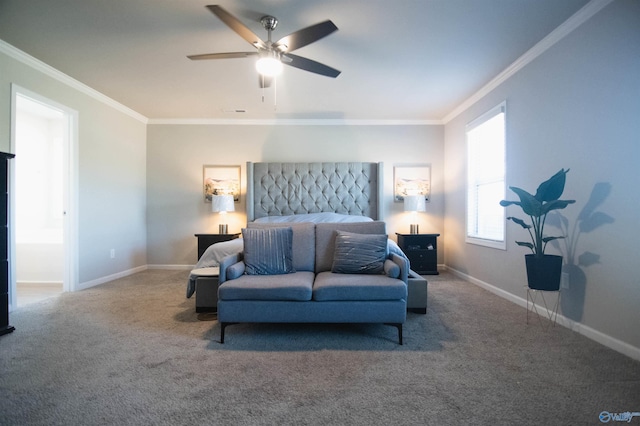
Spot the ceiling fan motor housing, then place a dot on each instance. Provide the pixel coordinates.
(269, 22)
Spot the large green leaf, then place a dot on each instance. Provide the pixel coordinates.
(524, 244)
(555, 205)
(505, 203)
(547, 239)
(552, 189)
(530, 205)
(519, 222)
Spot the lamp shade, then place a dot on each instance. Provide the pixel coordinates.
(415, 203)
(222, 203)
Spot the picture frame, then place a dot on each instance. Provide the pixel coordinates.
(411, 179)
(220, 180)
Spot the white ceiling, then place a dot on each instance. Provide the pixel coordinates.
(400, 60)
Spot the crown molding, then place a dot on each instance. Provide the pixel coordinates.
(577, 19)
(292, 122)
(48, 70)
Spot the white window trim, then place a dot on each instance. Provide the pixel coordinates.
(500, 245)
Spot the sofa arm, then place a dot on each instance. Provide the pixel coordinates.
(391, 269)
(226, 263)
(403, 263)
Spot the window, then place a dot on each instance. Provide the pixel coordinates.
(486, 178)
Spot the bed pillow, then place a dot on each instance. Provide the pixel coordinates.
(268, 251)
(359, 253)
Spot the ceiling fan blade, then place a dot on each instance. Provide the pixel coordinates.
(305, 36)
(309, 65)
(229, 55)
(237, 26)
(264, 81)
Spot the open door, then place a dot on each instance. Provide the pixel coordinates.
(42, 225)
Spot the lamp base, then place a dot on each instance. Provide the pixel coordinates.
(413, 228)
(222, 228)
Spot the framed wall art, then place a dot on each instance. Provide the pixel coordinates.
(221, 180)
(411, 179)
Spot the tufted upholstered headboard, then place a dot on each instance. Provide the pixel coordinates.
(280, 189)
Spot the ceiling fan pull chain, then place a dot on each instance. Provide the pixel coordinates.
(275, 94)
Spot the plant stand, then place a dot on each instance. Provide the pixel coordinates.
(534, 305)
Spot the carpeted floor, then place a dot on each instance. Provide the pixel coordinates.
(133, 351)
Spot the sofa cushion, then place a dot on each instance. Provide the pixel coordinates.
(331, 286)
(296, 286)
(303, 242)
(268, 251)
(326, 237)
(359, 253)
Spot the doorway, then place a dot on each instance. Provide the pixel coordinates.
(41, 234)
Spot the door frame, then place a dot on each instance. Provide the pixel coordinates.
(70, 192)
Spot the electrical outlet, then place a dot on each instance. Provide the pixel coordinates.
(564, 281)
(113, 253)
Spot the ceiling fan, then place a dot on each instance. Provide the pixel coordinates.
(273, 54)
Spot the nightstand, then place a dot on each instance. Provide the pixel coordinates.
(205, 240)
(422, 251)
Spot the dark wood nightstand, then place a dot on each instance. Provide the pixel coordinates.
(422, 251)
(205, 240)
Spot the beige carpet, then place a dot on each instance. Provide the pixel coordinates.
(133, 351)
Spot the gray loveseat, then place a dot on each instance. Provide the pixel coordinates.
(321, 286)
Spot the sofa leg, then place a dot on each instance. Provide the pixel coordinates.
(224, 325)
(399, 327)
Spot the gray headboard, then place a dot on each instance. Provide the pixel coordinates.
(281, 189)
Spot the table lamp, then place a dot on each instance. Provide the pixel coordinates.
(222, 204)
(414, 204)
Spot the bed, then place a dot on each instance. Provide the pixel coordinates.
(305, 192)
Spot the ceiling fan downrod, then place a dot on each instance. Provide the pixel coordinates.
(269, 23)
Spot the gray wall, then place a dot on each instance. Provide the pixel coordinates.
(176, 154)
(111, 175)
(577, 106)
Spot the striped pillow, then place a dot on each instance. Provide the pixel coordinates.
(359, 253)
(268, 251)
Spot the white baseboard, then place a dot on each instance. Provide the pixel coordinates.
(172, 267)
(27, 282)
(98, 281)
(598, 336)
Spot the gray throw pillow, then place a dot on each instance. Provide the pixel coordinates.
(359, 253)
(268, 251)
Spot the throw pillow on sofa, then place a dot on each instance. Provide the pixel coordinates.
(268, 251)
(359, 253)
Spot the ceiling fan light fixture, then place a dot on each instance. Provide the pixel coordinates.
(269, 65)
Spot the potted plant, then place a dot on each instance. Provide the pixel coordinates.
(543, 270)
